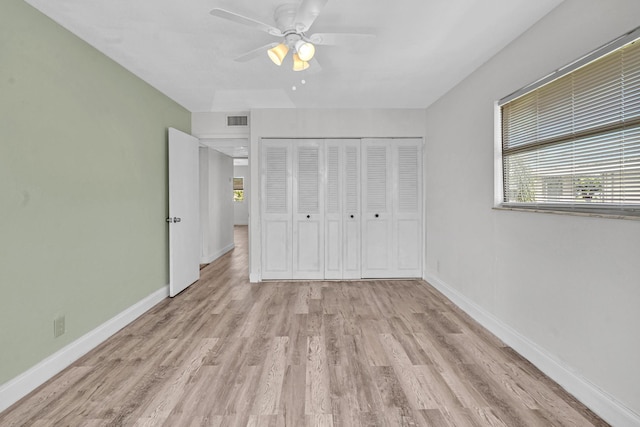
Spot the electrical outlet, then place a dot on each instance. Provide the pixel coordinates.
(58, 326)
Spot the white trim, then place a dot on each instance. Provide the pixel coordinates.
(498, 177)
(599, 401)
(217, 254)
(25, 383)
(254, 278)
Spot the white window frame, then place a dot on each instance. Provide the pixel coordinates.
(499, 179)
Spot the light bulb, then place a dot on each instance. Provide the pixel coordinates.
(305, 50)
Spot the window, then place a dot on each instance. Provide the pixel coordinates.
(238, 189)
(571, 141)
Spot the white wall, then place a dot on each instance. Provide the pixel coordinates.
(316, 123)
(564, 290)
(215, 125)
(216, 204)
(241, 209)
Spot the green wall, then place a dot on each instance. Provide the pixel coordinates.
(83, 186)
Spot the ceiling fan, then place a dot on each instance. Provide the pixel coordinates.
(292, 23)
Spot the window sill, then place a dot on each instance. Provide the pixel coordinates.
(570, 213)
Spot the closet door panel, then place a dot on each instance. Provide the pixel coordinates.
(376, 249)
(407, 167)
(276, 263)
(333, 249)
(351, 215)
(352, 249)
(377, 215)
(308, 210)
(408, 252)
(342, 209)
(307, 250)
(333, 253)
(276, 207)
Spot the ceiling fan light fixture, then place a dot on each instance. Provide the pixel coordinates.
(299, 64)
(305, 50)
(277, 54)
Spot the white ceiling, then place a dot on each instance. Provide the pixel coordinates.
(422, 49)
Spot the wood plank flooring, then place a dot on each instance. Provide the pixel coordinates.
(367, 353)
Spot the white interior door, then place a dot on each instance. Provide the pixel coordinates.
(308, 210)
(407, 204)
(351, 257)
(276, 209)
(392, 208)
(342, 209)
(184, 219)
(377, 213)
(333, 247)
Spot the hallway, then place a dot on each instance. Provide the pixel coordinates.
(370, 353)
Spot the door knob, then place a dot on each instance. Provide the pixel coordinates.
(377, 215)
(308, 216)
(351, 215)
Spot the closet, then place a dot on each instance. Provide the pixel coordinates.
(341, 208)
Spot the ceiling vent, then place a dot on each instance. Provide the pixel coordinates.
(237, 121)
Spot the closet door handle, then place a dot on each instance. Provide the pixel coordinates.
(308, 216)
(377, 215)
(351, 216)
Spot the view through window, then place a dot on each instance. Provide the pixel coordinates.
(573, 143)
(238, 189)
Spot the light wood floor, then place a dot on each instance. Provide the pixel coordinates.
(366, 353)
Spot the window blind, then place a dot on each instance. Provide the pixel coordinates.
(574, 142)
(238, 183)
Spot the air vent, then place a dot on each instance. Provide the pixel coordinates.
(237, 121)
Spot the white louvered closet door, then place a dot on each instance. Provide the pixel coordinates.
(308, 209)
(392, 208)
(333, 247)
(351, 196)
(277, 209)
(407, 208)
(342, 209)
(377, 212)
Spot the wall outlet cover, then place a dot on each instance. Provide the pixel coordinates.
(58, 326)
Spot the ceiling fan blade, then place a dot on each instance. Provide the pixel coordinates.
(308, 11)
(332, 39)
(240, 19)
(255, 53)
(314, 66)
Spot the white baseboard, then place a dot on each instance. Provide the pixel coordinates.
(212, 257)
(23, 384)
(254, 278)
(599, 401)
